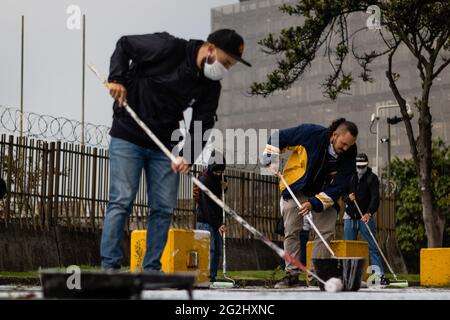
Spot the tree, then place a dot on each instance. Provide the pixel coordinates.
(410, 229)
(422, 26)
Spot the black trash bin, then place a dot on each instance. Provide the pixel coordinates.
(57, 284)
(349, 270)
(94, 285)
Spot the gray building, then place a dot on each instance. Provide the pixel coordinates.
(304, 102)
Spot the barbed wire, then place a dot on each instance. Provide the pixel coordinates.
(47, 127)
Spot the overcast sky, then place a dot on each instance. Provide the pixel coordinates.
(53, 52)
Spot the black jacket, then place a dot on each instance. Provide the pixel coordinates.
(207, 210)
(162, 81)
(367, 194)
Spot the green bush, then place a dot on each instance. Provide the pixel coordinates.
(410, 228)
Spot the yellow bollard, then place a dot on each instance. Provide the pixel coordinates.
(435, 267)
(185, 251)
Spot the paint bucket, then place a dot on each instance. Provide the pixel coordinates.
(348, 269)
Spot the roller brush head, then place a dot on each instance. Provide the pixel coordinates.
(221, 285)
(334, 285)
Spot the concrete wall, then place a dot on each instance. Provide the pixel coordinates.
(249, 254)
(25, 249)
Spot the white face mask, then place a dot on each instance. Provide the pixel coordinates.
(214, 71)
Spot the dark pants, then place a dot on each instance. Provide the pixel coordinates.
(215, 249)
(304, 236)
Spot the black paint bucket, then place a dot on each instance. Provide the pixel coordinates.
(349, 270)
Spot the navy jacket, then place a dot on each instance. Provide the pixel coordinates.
(162, 80)
(304, 168)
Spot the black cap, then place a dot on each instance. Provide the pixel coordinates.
(362, 160)
(230, 42)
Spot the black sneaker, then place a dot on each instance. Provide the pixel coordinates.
(114, 268)
(288, 281)
(384, 281)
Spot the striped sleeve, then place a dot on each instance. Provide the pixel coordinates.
(321, 202)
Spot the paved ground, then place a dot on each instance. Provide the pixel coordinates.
(260, 293)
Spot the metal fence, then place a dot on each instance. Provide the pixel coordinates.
(54, 183)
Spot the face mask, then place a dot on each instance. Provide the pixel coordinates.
(361, 171)
(214, 71)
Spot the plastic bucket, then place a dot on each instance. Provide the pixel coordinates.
(348, 269)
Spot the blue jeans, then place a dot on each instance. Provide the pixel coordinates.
(215, 249)
(126, 163)
(351, 228)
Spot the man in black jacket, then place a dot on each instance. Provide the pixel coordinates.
(364, 188)
(159, 76)
(210, 215)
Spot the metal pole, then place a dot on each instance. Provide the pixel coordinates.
(21, 75)
(224, 255)
(389, 160)
(83, 150)
(83, 76)
(377, 155)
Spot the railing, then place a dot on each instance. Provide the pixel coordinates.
(55, 183)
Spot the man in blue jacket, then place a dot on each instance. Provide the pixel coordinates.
(159, 76)
(318, 170)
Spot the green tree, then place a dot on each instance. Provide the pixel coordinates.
(422, 26)
(409, 224)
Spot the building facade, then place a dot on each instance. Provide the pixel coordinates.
(304, 101)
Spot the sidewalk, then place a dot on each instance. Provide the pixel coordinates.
(249, 278)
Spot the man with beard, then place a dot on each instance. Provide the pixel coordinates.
(319, 168)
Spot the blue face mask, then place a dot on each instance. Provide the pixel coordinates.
(361, 171)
